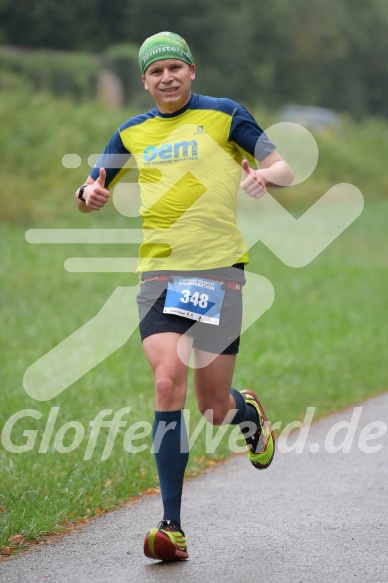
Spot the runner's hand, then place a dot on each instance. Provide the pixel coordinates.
(95, 194)
(254, 182)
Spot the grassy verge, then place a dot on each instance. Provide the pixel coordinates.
(321, 344)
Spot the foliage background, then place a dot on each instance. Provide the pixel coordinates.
(319, 52)
(323, 343)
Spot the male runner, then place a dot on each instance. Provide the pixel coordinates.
(189, 151)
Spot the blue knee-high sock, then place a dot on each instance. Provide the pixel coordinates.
(244, 413)
(170, 445)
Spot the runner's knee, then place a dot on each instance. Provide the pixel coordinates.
(166, 389)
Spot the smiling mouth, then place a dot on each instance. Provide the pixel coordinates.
(170, 90)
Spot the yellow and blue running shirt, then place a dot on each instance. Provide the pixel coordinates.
(189, 174)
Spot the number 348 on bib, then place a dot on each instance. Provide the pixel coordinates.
(195, 298)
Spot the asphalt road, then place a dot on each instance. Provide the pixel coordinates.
(316, 516)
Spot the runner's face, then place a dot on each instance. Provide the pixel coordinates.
(169, 83)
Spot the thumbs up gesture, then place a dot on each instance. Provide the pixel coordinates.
(95, 194)
(254, 182)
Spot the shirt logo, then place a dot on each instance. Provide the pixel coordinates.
(174, 152)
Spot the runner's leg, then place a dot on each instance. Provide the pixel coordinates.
(221, 404)
(216, 399)
(169, 431)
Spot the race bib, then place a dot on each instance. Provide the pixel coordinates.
(195, 298)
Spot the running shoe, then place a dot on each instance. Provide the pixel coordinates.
(260, 445)
(167, 542)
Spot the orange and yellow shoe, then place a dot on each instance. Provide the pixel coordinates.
(167, 542)
(260, 445)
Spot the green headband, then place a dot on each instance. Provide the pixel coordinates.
(163, 45)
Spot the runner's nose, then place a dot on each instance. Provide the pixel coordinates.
(167, 77)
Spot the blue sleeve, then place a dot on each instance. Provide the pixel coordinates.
(113, 159)
(248, 135)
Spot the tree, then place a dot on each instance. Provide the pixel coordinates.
(323, 52)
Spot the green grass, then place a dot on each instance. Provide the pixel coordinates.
(323, 342)
(324, 339)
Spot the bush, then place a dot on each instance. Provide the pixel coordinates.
(122, 59)
(59, 73)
